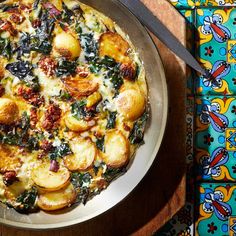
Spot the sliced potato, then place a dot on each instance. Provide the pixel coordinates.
(51, 201)
(113, 45)
(57, 4)
(131, 104)
(49, 180)
(84, 153)
(116, 149)
(94, 99)
(27, 2)
(80, 87)
(8, 160)
(78, 125)
(67, 45)
(9, 111)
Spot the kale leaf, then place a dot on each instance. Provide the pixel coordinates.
(90, 46)
(100, 143)
(67, 14)
(111, 120)
(137, 133)
(78, 110)
(80, 179)
(24, 71)
(18, 135)
(112, 71)
(112, 173)
(65, 68)
(20, 69)
(80, 182)
(27, 200)
(5, 48)
(60, 151)
(41, 40)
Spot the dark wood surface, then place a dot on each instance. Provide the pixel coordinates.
(162, 192)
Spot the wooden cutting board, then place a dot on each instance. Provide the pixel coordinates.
(162, 192)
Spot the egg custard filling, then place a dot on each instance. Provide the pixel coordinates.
(73, 103)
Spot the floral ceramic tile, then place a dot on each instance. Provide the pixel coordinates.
(216, 213)
(216, 50)
(183, 3)
(216, 3)
(215, 138)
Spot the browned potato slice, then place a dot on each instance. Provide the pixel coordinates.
(94, 99)
(84, 153)
(57, 4)
(67, 45)
(51, 201)
(49, 180)
(78, 125)
(8, 111)
(79, 87)
(113, 45)
(116, 149)
(131, 104)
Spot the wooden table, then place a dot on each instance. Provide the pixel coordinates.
(162, 192)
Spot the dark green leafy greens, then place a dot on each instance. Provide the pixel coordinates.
(81, 182)
(112, 71)
(65, 67)
(24, 71)
(79, 111)
(41, 40)
(5, 48)
(27, 201)
(64, 95)
(112, 173)
(60, 151)
(67, 15)
(80, 179)
(137, 133)
(20, 69)
(100, 143)
(90, 46)
(18, 135)
(111, 120)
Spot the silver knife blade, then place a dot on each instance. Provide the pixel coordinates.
(147, 18)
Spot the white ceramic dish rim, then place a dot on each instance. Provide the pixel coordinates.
(162, 103)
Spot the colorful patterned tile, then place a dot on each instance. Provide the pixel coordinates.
(215, 138)
(216, 209)
(216, 50)
(215, 3)
(183, 3)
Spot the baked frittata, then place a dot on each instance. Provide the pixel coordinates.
(73, 103)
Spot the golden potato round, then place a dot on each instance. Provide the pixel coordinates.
(67, 45)
(9, 111)
(131, 104)
(84, 153)
(57, 4)
(78, 125)
(49, 180)
(51, 201)
(80, 87)
(116, 149)
(113, 45)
